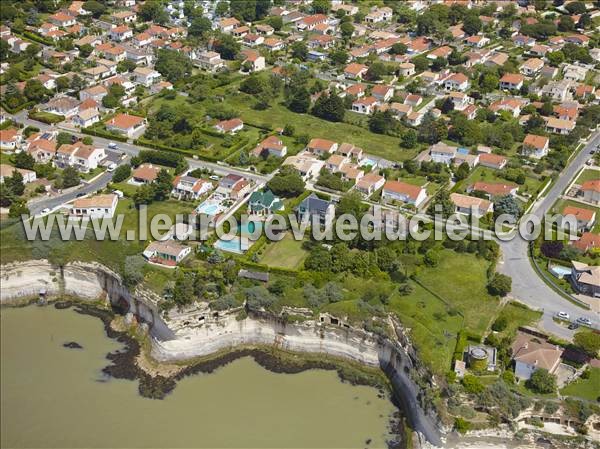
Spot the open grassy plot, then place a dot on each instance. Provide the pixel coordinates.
(588, 174)
(585, 388)
(287, 253)
(461, 280)
(432, 328)
(486, 174)
(277, 116)
(518, 315)
(168, 208)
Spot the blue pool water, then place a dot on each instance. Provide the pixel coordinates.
(367, 161)
(560, 271)
(463, 151)
(250, 227)
(231, 246)
(208, 209)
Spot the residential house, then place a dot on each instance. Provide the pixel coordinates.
(263, 203)
(535, 146)
(146, 76)
(403, 192)
(10, 139)
(97, 206)
(457, 81)
(406, 69)
(559, 126)
(145, 174)
(95, 93)
(590, 190)
(120, 33)
(442, 153)
(465, 204)
(587, 242)
(370, 183)
(511, 81)
(271, 146)
(209, 60)
(493, 189)
(310, 22)
(321, 147)
(585, 217)
(307, 165)
(188, 187)
(62, 20)
(42, 150)
(531, 353)
(166, 252)
(557, 90)
(355, 71)
(532, 67)
(127, 124)
(379, 15)
(365, 105)
(65, 106)
(7, 171)
(231, 126)
(313, 208)
(585, 278)
(253, 61)
(494, 161)
(86, 117)
(477, 41)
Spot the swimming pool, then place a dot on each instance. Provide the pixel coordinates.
(250, 227)
(368, 161)
(560, 271)
(231, 246)
(463, 151)
(209, 208)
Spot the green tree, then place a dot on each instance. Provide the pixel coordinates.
(299, 50)
(15, 183)
(507, 204)
(588, 341)
(35, 91)
(441, 204)
(200, 27)
(121, 173)
(339, 56)
(163, 184)
(500, 285)
(472, 24)
(94, 7)
(409, 139)
(347, 30)
(227, 46)
(377, 71)
(133, 270)
(143, 195)
(173, 65)
(329, 107)
(321, 6)
(276, 22)
(565, 23)
(286, 183)
(541, 381)
(24, 160)
(462, 172)
(70, 177)
(153, 12)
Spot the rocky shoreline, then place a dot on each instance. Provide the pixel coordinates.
(124, 364)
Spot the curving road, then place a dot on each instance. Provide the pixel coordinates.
(527, 286)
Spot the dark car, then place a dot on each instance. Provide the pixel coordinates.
(573, 326)
(79, 195)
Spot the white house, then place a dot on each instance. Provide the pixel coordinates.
(98, 206)
(406, 193)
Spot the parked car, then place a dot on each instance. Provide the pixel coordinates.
(563, 315)
(573, 326)
(585, 321)
(112, 145)
(111, 167)
(213, 177)
(80, 194)
(45, 210)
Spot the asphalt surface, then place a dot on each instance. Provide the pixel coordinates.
(527, 286)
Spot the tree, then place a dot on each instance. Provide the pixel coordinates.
(321, 6)
(500, 285)
(350, 203)
(163, 184)
(121, 173)
(347, 30)
(286, 183)
(299, 50)
(462, 172)
(143, 195)
(329, 107)
(133, 270)
(300, 100)
(399, 49)
(488, 82)
(421, 63)
(62, 83)
(227, 47)
(70, 177)
(556, 58)
(173, 65)
(24, 160)
(377, 71)
(339, 56)
(64, 138)
(276, 22)
(77, 83)
(472, 384)
(18, 208)
(409, 139)
(153, 12)
(32, 51)
(200, 27)
(507, 204)
(565, 23)
(35, 91)
(588, 341)
(441, 204)
(94, 7)
(183, 291)
(541, 381)
(4, 49)
(576, 8)
(15, 183)
(472, 24)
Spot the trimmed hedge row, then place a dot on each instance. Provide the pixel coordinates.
(18, 108)
(37, 38)
(105, 134)
(46, 117)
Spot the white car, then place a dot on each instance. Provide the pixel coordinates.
(214, 177)
(585, 321)
(45, 210)
(112, 145)
(111, 167)
(563, 315)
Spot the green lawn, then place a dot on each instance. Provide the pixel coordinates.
(287, 253)
(278, 116)
(518, 315)
(588, 175)
(432, 329)
(490, 175)
(461, 280)
(585, 388)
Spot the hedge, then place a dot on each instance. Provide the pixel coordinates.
(37, 38)
(158, 146)
(162, 158)
(105, 134)
(18, 108)
(46, 117)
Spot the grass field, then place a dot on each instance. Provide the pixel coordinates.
(287, 253)
(588, 175)
(490, 175)
(432, 329)
(461, 280)
(518, 315)
(585, 388)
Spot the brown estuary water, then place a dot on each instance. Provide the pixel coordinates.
(52, 396)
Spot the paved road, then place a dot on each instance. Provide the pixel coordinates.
(129, 150)
(527, 286)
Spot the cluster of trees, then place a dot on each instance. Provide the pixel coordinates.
(332, 181)
(173, 65)
(286, 183)
(11, 190)
(165, 158)
(262, 88)
(158, 190)
(173, 126)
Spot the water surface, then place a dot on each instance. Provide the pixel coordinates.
(53, 396)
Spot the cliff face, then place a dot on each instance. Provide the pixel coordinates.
(202, 332)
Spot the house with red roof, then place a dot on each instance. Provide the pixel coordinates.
(127, 124)
(590, 191)
(535, 146)
(231, 126)
(403, 192)
(585, 218)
